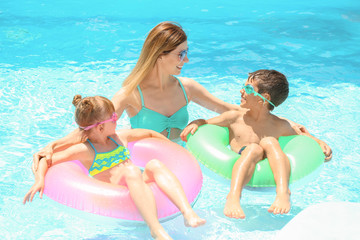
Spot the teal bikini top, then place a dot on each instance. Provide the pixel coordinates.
(150, 119)
(106, 160)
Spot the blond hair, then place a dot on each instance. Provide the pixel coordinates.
(162, 39)
(90, 110)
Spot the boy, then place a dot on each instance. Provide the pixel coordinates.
(254, 132)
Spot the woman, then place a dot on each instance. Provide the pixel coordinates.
(152, 97)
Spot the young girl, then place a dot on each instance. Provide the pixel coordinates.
(96, 118)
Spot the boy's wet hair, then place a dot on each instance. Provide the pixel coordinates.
(272, 82)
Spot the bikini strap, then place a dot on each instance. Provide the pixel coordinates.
(92, 146)
(186, 98)
(114, 141)
(141, 96)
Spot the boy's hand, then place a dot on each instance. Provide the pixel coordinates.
(191, 128)
(326, 149)
(37, 187)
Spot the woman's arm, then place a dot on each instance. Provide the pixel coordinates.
(198, 94)
(120, 101)
(71, 139)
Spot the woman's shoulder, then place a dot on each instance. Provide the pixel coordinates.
(122, 96)
(191, 86)
(188, 82)
(123, 100)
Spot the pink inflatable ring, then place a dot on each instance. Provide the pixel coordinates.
(69, 184)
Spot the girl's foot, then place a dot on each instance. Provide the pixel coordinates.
(191, 219)
(160, 234)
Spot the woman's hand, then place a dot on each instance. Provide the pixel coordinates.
(37, 187)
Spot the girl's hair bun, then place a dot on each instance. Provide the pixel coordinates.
(77, 98)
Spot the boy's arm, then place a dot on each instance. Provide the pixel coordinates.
(326, 148)
(223, 120)
(301, 130)
(73, 138)
(298, 128)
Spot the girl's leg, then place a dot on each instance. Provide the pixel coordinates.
(280, 167)
(156, 171)
(241, 174)
(143, 198)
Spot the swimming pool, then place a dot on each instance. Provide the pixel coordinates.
(51, 51)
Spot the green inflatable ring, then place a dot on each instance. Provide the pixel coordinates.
(210, 143)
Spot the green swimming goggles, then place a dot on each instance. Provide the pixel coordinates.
(249, 89)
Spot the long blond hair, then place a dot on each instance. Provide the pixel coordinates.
(162, 39)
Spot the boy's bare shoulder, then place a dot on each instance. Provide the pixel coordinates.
(283, 125)
(278, 119)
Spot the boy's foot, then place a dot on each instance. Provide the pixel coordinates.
(191, 219)
(233, 209)
(281, 204)
(160, 234)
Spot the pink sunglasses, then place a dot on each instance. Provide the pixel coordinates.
(113, 118)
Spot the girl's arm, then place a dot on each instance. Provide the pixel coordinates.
(47, 152)
(78, 151)
(130, 135)
(198, 94)
(39, 182)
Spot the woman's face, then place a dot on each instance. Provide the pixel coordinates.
(173, 62)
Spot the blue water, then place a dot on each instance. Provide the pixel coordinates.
(52, 50)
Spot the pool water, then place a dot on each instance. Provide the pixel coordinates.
(51, 51)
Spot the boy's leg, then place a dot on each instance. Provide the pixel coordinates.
(241, 174)
(156, 171)
(280, 167)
